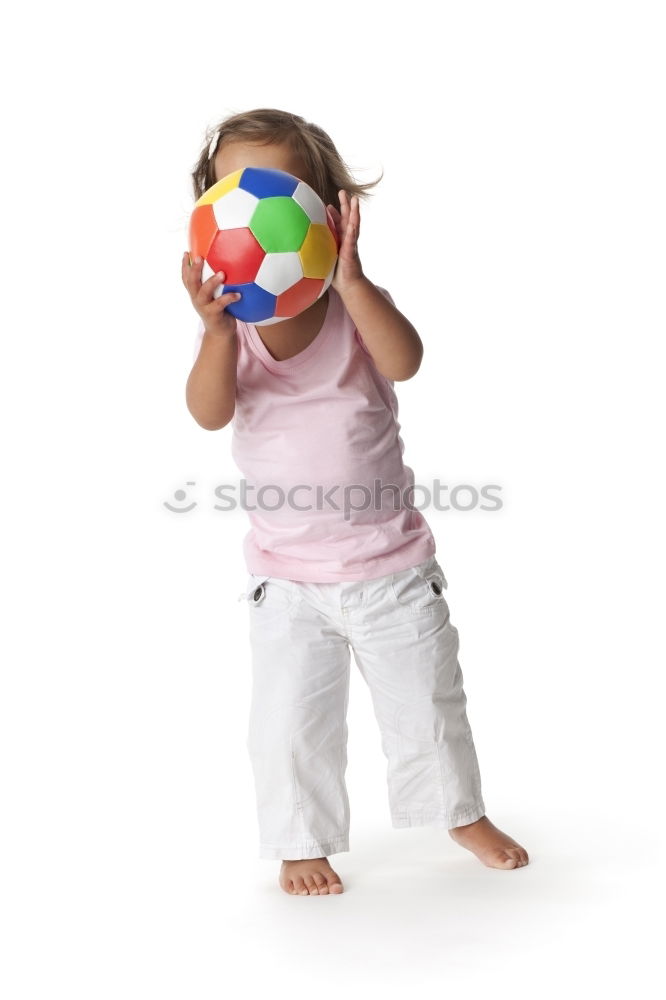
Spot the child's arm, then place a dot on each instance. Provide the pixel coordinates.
(391, 340)
(211, 387)
(394, 344)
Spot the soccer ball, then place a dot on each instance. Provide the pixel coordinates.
(273, 237)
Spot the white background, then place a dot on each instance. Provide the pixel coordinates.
(520, 226)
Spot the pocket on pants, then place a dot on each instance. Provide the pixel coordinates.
(419, 589)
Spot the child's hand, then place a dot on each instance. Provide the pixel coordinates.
(348, 268)
(213, 312)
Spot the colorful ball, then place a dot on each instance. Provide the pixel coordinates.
(273, 237)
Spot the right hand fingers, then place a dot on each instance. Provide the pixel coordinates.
(191, 275)
(190, 271)
(200, 292)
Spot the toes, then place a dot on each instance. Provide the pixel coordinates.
(322, 885)
(311, 885)
(502, 859)
(334, 884)
(520, 854)
(287, 885)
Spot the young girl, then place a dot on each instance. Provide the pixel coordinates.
(314, 415)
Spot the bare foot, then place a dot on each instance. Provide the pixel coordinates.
(309, 877)
(494, 848)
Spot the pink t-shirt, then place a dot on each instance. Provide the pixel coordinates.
(320, 431)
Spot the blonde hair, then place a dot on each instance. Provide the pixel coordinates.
(327, 170)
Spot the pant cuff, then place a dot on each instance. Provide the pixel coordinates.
(439, 819)
(306, 849)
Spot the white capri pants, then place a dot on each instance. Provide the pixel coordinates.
(407, 652)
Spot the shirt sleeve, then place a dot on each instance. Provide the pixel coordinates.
(358, 335)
